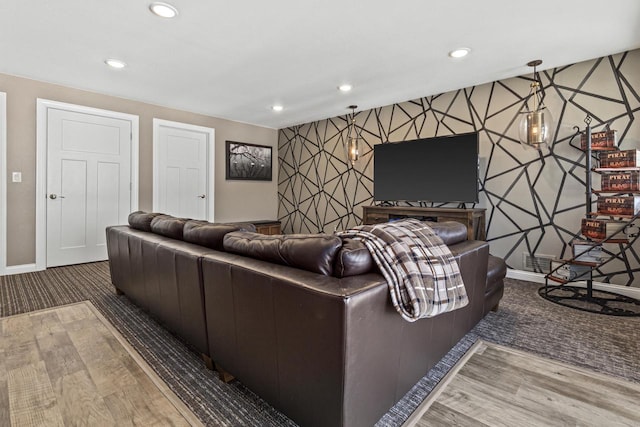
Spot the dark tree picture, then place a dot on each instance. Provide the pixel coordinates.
(248, 161)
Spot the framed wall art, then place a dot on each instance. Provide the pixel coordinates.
(248, 161)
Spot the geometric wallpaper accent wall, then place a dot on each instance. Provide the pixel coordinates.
(534, 200)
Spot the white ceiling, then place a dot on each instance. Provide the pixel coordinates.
(234, 59)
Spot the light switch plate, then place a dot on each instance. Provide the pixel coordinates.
(16, 176)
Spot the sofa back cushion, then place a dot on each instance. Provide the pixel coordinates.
(311, 252)
(352, 259)
(211, 235)
(142, 220)
(168, 226)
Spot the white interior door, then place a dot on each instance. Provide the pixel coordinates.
(88, 183)
(182, 169)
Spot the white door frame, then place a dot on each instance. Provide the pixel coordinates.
(43, 106)
(3, 183)
(157, 123)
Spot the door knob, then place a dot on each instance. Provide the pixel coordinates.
(202, 196)
(53, 196)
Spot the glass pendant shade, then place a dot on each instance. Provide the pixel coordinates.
(352, 144)
(353, 150)
(536, 126)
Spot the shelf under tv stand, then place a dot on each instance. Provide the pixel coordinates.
(473, 219)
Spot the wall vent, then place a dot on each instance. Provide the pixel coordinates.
(537, 262)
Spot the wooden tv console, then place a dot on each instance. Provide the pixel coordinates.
(473, 219)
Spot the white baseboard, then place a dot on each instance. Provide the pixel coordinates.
(530, 276)
(19, 269)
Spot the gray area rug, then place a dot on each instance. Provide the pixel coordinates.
(606, 344)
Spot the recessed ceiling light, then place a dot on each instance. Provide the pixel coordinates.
(277, 108)
(460, 53)
(345, 87)
(163, 10)
(115, 63)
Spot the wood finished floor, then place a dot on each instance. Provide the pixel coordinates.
(499, 386)
(68, 366)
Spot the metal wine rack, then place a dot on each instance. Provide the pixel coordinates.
(577, 290)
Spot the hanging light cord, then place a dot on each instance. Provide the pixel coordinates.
(535, 85)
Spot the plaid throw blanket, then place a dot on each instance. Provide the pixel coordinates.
(423, 277)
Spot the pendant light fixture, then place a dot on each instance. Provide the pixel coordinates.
(536, 125)
(352, 144)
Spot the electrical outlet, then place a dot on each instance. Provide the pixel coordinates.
(16, 176)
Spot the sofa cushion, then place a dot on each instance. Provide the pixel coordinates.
(142, 220)
(352, 259)
(451, 232)
(211, 235)
(311, 252)
(168, 226)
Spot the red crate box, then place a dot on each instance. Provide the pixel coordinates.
(618, 205)
(620, 159)
(620, 181)
(606, 140)
(601, 229)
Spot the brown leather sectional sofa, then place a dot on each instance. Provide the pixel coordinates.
(304, 321)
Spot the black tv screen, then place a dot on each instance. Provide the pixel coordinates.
(441, 169)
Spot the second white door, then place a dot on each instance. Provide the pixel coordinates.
(183, 169)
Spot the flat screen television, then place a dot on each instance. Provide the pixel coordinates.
(441, 169)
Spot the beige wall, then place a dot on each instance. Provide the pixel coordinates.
(234, 200)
